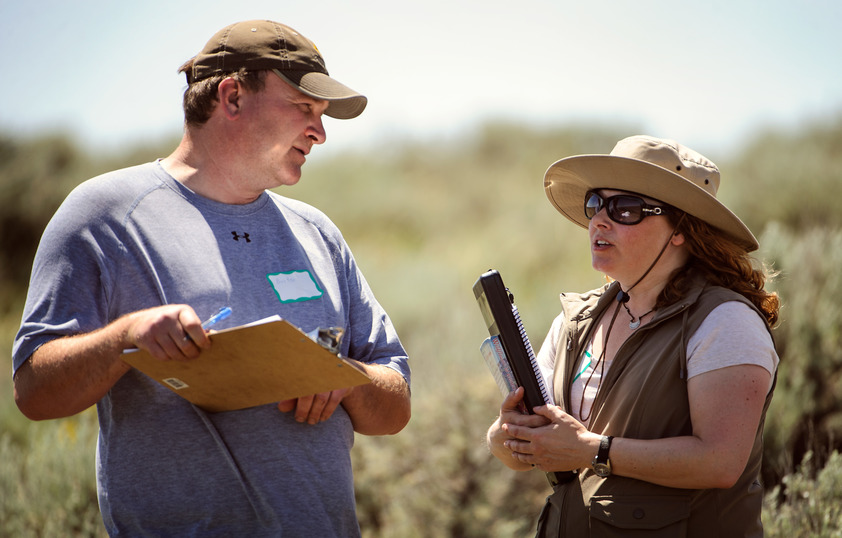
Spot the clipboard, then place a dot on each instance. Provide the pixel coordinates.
(252, 365)
(503, 321)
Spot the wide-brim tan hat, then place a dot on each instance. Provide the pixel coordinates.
(652, 167)
(267, 45)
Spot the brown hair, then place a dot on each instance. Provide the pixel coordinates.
(722, 262)
(200, 96)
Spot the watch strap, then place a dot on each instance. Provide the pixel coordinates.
(604, 448)
(601, 462)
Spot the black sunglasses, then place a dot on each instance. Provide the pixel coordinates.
(622, 208)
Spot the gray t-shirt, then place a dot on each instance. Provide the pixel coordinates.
(137, 238)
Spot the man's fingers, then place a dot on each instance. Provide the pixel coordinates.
(286, 406)
(334, 399)
(314, 408)
(192, 327)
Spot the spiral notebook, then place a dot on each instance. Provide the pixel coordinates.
(507, 351)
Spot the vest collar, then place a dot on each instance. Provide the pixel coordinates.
(588, 306)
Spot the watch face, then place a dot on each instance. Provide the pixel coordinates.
(602, 469)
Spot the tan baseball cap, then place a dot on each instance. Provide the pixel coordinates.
(658, 168)
(266, 45)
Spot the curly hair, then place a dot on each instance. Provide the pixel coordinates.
(200, 96)
(722, 262)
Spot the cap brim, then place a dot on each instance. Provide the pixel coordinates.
(344, 103)
(566, 182)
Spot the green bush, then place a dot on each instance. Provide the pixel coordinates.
(808, 503)
(48, 484)
(792, 178)
(805, 414)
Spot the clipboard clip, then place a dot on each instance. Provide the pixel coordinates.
(329, 338)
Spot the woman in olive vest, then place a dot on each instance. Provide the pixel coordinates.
(661, 378)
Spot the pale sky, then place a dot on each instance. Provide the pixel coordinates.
(708, 74)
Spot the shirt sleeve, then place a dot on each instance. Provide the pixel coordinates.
(70, 276)
(732, 334)
(546, 356)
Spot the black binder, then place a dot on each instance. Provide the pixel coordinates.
(503, 320)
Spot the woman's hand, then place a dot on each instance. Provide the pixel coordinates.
(562, 443)
(498, 434)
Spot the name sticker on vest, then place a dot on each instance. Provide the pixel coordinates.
(295, 286)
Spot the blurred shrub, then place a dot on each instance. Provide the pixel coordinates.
(437, 479)
(808, 503)
(792, 178)
(48, 485)
(806, 412)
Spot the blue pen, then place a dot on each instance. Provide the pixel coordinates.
(223, 313)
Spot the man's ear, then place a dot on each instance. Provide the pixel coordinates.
(229, 93)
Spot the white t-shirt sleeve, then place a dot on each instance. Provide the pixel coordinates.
(547, 355)
(731, 335)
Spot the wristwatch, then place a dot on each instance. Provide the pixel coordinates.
(601, 463)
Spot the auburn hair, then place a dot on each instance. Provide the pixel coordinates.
(722, 262)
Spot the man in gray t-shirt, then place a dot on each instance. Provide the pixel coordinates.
(138, 257)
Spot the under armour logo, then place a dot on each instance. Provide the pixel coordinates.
(238, 236)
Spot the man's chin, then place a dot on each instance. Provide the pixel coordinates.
(289, 179)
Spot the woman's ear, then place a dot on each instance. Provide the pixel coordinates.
(677, 239)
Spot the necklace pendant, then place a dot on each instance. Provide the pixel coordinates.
(634, 324)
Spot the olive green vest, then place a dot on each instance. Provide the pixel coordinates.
(644, 396)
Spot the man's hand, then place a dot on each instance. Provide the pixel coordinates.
(381, 407)
(68, 375)
(171, 332)
(316, 408)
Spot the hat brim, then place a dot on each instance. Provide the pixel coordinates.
(344, 103)
(567, 180)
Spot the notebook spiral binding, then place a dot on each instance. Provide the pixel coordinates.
(530, 352)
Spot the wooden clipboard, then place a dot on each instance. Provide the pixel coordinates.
(252, 365)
